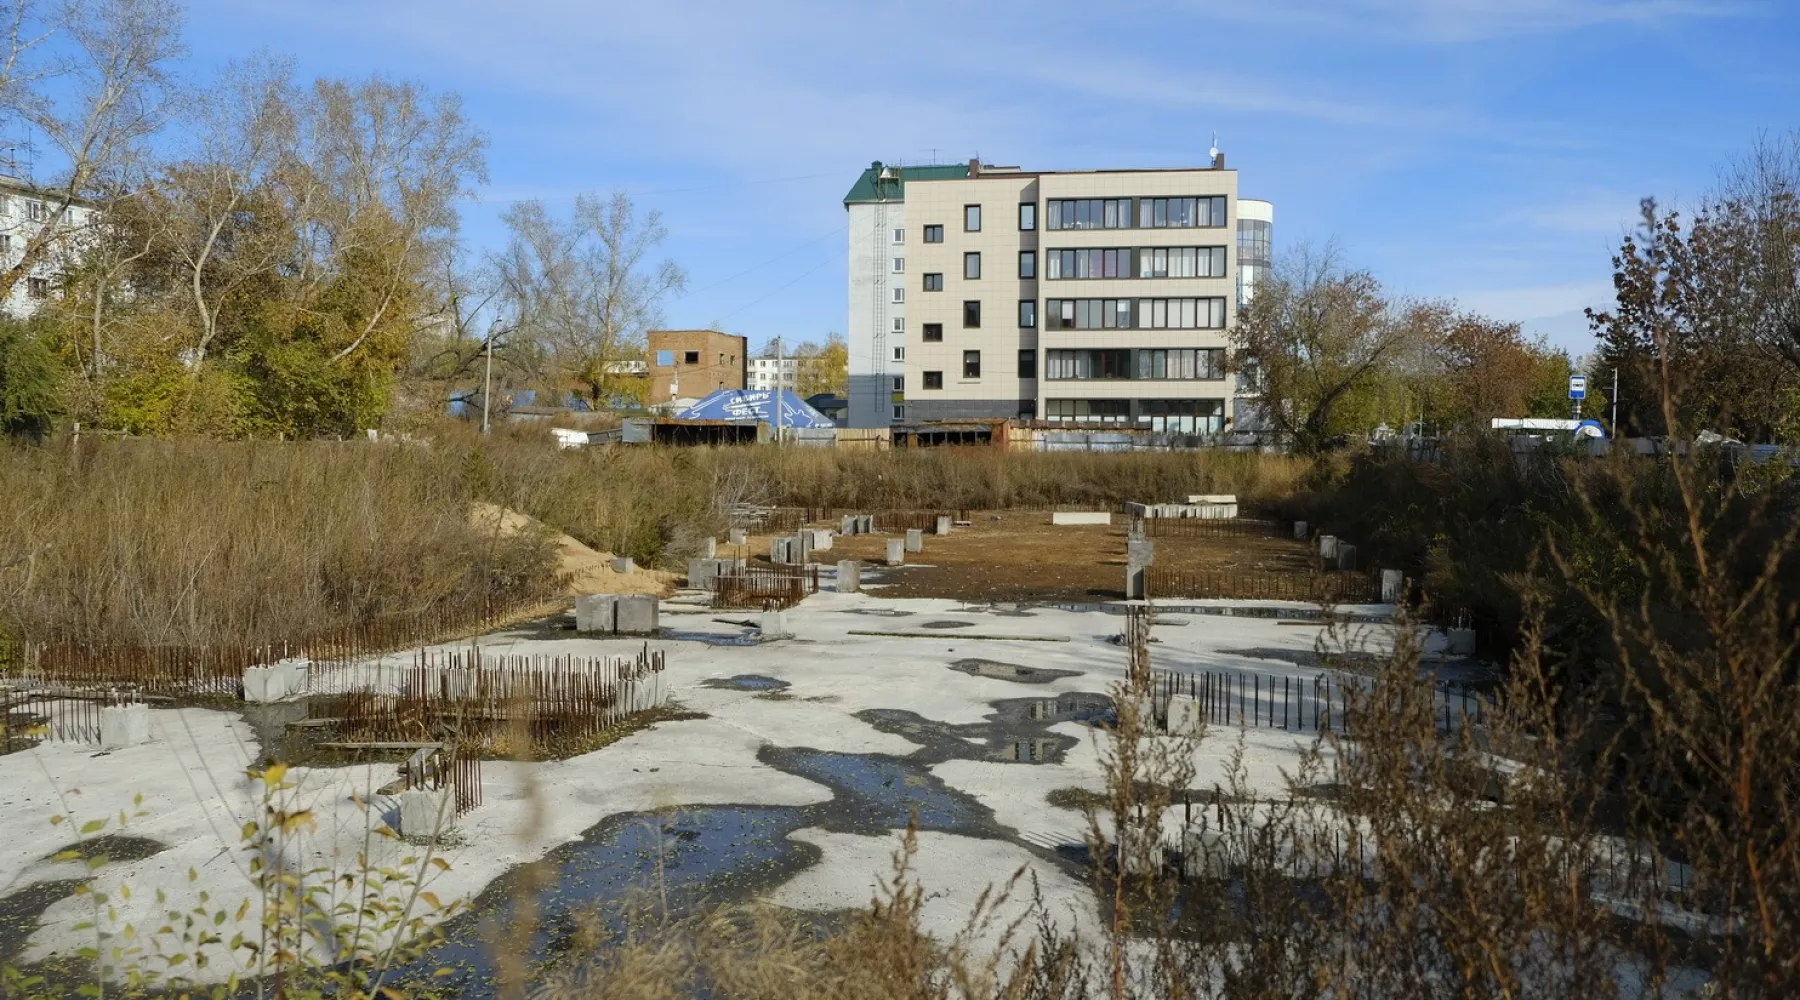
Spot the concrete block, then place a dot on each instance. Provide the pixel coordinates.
(1461, 641)
(637, 613)
(821, 539)
(774, 624)
(849, 576)
(1141, 551)
(124, 726)
(847, 526)
(739, 536)
(709, 549)
(1203, 854)
(1081, 517)
(1184, 718)
(596, 613)
(1216, 511)
(1346, 558)
(1137, 510)
(426, 814)
(1213, 498)
(786, 550)
(623, 564)
(702, 572)
(265, 684)
(1393, 583)
(865, 524)
(896, 551)
(915, 540)
(1328, 546)
(943, 524)
(1300, 531)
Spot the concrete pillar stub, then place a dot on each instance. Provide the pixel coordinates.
(1299, 531)
(896, 551)
(849, 576)
(943, 524)
(1392, 582)
(915, 540)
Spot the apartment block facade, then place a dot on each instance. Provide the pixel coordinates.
(24, 212)
(773, 373)
(1082, 297)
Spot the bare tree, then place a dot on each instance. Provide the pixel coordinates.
(114, 93)
(586, 289)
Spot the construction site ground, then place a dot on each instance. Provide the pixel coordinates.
(1021, 556)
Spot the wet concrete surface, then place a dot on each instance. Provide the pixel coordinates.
(683, 858)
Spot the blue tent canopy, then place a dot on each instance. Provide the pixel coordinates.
(750, 405)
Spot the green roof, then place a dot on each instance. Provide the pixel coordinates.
(864, 190)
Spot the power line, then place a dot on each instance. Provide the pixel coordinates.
(790, 284)
(755, 267)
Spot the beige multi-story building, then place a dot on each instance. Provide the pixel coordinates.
(1083, 297)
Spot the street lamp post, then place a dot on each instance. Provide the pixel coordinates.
(487, 379)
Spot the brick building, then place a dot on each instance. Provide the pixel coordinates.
(691, 364)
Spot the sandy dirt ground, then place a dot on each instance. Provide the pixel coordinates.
(1021, 556)
(590, 571)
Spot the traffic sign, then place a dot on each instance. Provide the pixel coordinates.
(1577, 386)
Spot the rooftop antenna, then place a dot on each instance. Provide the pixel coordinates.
(1214, 151)
(933, 151)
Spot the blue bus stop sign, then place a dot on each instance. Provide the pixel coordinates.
(1577, 386)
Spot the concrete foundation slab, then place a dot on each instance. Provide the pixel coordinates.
(637, 614)
(849, 576)
(124, 726)
(1081, 517)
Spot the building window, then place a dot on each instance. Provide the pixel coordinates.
(899, 294)
(971, 266)
(899, 236)
(899, 265)
(37, 211)
(933, 333)
(934, 282)
(1027, 363)
(899, 324)
(1089, 213)
(1148, 314)
(1027, 216)
(690, 358)
(1028, 313)
(971, 364)
(899, 354)
(5, 244)
(1088, 411)
(899, 413)
(665, 359)
(1181, 213)
(1181, 262)
(934, 234)
(971, 218)
(972, 314)
(934, 380)
(1203, 363)
(899, 383)
(37, 288)
(1027, 263)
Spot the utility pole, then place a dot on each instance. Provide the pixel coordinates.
(780, 367)
(1615, 402)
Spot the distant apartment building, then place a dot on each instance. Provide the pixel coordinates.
(769, 373)
(692, 364)
(24, 212)
(1081, 297)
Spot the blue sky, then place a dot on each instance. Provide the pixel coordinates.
(1490, 151)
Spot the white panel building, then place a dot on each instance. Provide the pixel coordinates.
(24, 212)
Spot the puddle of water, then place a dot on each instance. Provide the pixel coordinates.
(705, 853)
(747, 682)
(947, 624)
(997, 670)
(1038, 751)
(880, 793)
